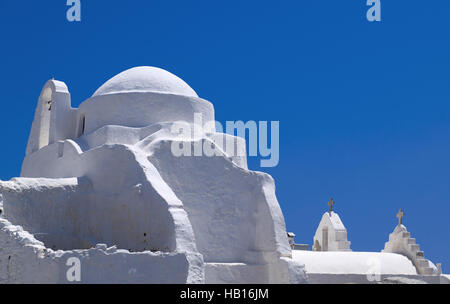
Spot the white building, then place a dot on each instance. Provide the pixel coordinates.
(331, 234)
(101, 183)
(332, 260)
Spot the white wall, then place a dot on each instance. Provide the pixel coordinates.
(54, 118)
(400, 241)
(23, 259)
(348, 262)
(142, 109)
(128, 199)
(331, 233)
(120, 184)
(234, 212)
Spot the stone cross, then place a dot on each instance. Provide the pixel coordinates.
(330, 204)
(400, 216)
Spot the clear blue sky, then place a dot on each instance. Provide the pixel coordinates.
(364, 108)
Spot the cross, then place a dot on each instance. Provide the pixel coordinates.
(331, 203)
(400, 216)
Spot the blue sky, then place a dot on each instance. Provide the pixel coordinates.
(364, 108)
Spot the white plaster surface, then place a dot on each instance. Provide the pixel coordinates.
(23, 259)
(445, 279)
(401, 280)
(335, 237)
(400, 241)
(146, 79)
(354, 262)
(102, 184)
(113, 179)
(142, 109)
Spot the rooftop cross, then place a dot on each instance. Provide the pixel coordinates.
(331, 203)
(400, 216)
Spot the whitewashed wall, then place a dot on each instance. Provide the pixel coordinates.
(23, 259)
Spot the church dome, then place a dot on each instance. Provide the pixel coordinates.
(146, 79)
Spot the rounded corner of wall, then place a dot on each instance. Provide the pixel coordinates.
(56, 86)
(72, 146)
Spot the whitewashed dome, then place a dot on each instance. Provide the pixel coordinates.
(146, 79)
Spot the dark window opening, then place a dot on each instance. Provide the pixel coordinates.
(82, 125)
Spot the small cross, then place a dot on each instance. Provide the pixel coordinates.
(331, 203)
(400, 216)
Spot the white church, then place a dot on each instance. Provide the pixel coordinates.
(100, 185)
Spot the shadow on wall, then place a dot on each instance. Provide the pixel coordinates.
(80, 217)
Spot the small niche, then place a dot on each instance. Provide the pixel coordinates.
(60, 149)
(82, 125)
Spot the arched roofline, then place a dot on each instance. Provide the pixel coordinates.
(41, 119)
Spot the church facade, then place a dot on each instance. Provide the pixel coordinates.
(100, 184)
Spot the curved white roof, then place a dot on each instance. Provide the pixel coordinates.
(146, 79)
(348, 262)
